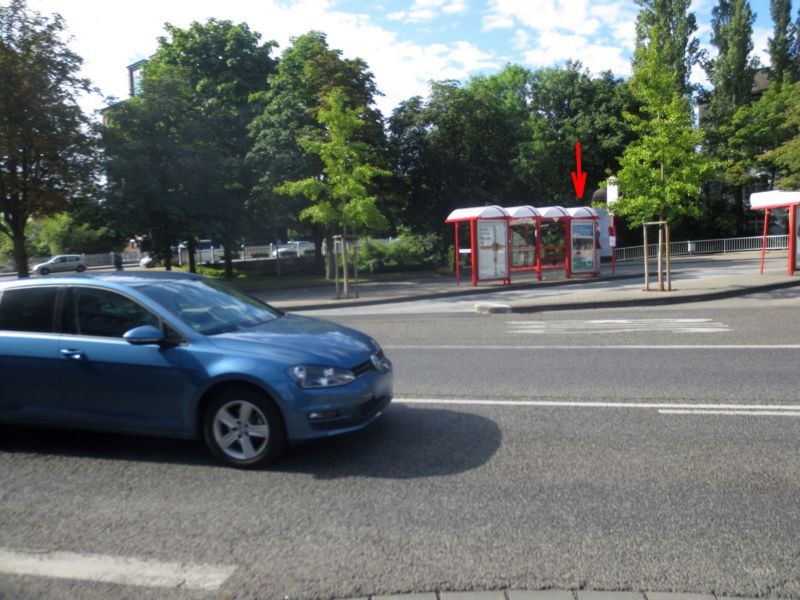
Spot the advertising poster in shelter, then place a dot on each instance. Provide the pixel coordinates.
(583, 245)
(492, 249)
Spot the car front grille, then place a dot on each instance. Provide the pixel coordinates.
(363, 368)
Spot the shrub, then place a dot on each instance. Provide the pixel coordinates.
(407, 251)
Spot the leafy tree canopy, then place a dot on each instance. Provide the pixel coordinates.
(46, 142)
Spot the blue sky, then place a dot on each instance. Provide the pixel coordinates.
(406, 43)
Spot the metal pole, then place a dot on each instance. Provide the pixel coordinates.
(659, 255)
(764, 239)
(669, 268)
(646, 270)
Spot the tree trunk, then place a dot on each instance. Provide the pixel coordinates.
(330, 258)
(191, 248)
(345, 278)
(20, 253)
(228, 258)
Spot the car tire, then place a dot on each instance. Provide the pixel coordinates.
(80, 269)
(44, 271)
(243, 428)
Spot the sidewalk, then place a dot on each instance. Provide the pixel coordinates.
(694, 279)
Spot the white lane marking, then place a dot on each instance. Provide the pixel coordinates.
(115, 569)
(593, 347)
(617, 326)
(751, 413)
(661, 406)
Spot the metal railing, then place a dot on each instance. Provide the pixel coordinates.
(720, 246)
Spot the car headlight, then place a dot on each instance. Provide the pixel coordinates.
(314, 376)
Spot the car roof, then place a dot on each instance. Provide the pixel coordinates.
(113, 278)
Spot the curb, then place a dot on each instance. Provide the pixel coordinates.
(471, 291)
(656, 301)
(549, 595)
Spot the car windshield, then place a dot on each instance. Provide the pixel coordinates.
(210, 307)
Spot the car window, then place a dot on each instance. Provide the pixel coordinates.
(92, 311)
(210, 307)
(28, 309)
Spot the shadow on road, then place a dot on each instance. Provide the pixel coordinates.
(403, 443)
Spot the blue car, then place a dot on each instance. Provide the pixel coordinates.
(179, 355)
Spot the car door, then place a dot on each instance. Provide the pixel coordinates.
(30, 362)
(108, 382)
(61, 264)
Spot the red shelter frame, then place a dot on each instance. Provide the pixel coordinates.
(526, 217)
(472, 216)
(555, 214)
(767, 201)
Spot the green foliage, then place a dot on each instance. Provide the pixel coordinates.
(340, 197)
(62, 234)
(753, 131)
(407, 251)
(662, 171)
(733, 70)
(667, 27)
(218, 273)
(782, 45)
(785, 158)
(306, 74)
(177, 167)
(505, 139)
(46, 142)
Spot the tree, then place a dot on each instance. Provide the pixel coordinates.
(158, 161)
(733, 70)
(64, 234)
(669, 26)
(340, 195)
(785, 158)
(505, 139)
(46, 142)
(781, 45)
(661, 172)
(225, 66)
(304, 78)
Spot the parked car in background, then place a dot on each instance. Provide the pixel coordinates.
(179, 355)
(293, 249)
(149, 261)
(62, 262)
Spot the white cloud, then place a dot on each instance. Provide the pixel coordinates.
(496, 21)
(761, 37)
(428, 10)
(555, 48)
(109, 40)
(576, 16)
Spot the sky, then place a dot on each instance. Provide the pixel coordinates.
(406, 43)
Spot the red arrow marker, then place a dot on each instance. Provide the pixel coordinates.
(579, 178)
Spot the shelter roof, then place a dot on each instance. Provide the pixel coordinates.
(522, 212)
(553, 212)
(583, 212)
(477, 212)
(773, 199)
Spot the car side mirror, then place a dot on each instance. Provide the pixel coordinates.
(144, 335)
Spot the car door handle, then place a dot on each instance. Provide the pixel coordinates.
(73, 354)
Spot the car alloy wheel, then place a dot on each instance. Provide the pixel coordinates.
(243, 429)
(44, 271)
(80, 269)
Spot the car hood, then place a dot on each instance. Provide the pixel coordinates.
(297, 339)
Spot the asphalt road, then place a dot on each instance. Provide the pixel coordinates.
(626, 449)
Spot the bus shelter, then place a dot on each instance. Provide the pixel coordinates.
(524, 235)
(768, 201)
(488, 242)
(583, 258)
(554, 239)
